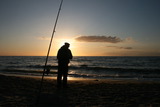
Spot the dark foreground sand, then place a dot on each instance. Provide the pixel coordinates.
(22, 92)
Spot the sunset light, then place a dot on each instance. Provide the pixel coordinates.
(100, 28)
(80, 53)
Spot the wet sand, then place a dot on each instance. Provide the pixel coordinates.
(23, 92)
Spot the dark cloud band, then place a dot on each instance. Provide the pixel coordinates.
(120, 47)
(108, 39)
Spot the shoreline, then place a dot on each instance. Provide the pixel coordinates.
(35, 75)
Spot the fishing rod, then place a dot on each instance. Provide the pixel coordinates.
(50, 44)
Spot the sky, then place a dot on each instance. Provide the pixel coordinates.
(92, 27)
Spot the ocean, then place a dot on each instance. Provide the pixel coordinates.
(97, 67)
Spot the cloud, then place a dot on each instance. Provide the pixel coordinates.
(120, 47)
(107, 39)
(43, 38)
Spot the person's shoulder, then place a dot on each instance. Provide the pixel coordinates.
(69, 50)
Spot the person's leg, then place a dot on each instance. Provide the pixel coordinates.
(59, 76)
(65, 74)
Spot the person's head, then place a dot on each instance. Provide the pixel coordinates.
(66, 44)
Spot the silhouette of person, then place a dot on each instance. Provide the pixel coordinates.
(64, 55)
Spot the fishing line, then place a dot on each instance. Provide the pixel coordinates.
(50, 44)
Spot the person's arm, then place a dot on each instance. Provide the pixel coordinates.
(70, 54)
(58, 54)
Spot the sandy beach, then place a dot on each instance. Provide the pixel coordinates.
(23, 92)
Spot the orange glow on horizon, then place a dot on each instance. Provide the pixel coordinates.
(40, 48)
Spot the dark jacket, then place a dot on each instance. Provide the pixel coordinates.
(64, 55)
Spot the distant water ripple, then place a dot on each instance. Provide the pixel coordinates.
(87, 67)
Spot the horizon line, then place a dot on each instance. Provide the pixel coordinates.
(88, 56)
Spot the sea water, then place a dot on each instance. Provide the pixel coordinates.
(102, 67)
